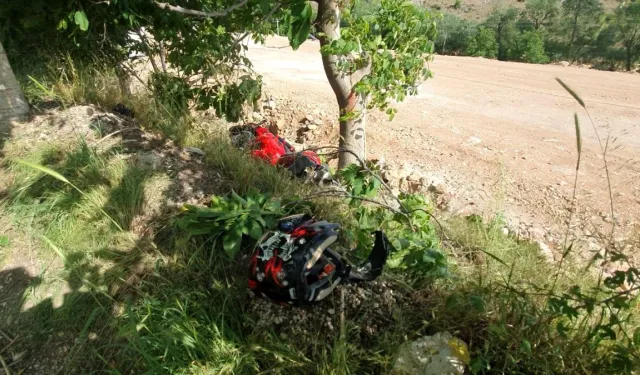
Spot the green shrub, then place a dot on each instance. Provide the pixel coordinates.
(483, 43)
(453, 34)
(530, 48)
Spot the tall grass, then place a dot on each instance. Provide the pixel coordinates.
(167, 304)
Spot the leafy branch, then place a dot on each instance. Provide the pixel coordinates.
(199, 13)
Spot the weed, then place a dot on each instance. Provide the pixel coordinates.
(232, 218)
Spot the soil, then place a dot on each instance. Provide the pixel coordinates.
(369, 308)
(499, 135)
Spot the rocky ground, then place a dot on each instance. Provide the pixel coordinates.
(486, 137)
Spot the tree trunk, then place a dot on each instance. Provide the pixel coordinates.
(500, 45)
(573, 34)
(13, 106)
(628, 59)
(352, 132)
(352, 135)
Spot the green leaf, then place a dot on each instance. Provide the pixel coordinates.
(264, 6)
(231, 242)
(607, 332)
(300, 25)
(478, 364)
(261, 220)
(477, 302)
(525, 346)
(255, 230)
(636, 337)
(356, 186)
(62, 25)
(301, 10)
(4, 241)
(216, 201)
(238, 198)
(273, 206)
(428, 258)
(207, 213)
(453, 301)
(562, 329)
(80, 18)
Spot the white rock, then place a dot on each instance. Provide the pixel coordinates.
(433, 355)
(505, 231)
(472, 141)
(279, 126)
(545, 250)
(564, 63)
(414, 177)
(312, 127)
(256, 116)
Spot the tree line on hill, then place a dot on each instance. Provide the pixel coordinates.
(579, 31)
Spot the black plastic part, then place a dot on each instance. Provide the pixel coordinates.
(300, 164)
(372, 267)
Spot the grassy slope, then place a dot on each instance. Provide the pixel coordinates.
(108, 295)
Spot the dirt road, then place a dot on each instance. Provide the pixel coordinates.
(500, 135)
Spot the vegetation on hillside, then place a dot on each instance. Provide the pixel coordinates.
(578, 31)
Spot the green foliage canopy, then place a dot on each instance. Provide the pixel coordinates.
(483, 43)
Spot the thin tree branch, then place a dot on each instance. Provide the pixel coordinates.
(359, 74)
(342, 194)
(163, 60)
(148, 48)
(444, 233)
(199, 13)
(133, 74)
(265, 18)
(363, 165)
